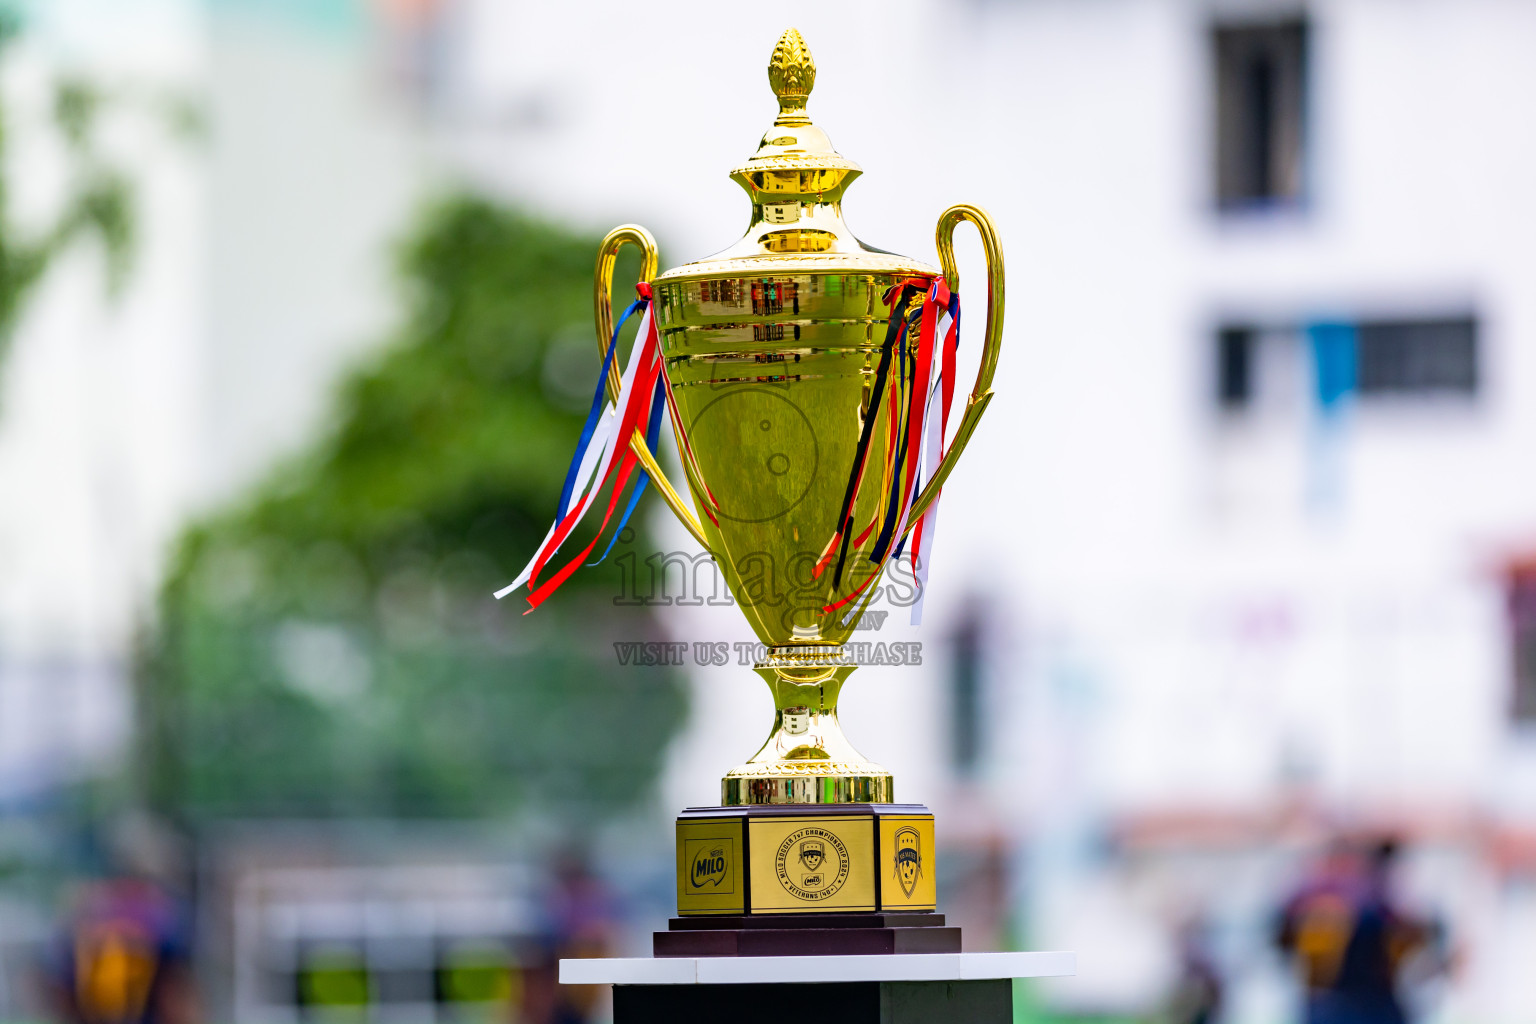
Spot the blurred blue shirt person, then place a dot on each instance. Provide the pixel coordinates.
(1349, 940)
(123, 957)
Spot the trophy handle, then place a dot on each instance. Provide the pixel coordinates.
(981, 394)
(602, 305)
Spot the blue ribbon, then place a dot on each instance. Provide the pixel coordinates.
(595, 413)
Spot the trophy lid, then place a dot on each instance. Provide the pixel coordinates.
(796, 181)
(793, 143)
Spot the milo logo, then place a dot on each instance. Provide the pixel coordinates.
(709, 867)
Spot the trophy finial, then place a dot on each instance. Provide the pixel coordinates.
(793, 144)
(792, 74)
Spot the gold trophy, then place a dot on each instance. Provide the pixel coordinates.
(772, 352)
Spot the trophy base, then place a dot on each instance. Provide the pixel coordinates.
(806, 759)
(817, 783)
(771, 860)
(807, 935)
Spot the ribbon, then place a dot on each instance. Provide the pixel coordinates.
(894, 332)
(603, 454)
(917, 388)
(938, 427)
(920, 392)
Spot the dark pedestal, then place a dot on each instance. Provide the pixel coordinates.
(908, 919)
(863, 1002)
(806, 935)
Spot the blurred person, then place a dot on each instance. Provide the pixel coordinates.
(1350, 939)
(580, 915)
(123, 953)
(1197, 994)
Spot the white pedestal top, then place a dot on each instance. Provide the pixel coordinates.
(737, 970)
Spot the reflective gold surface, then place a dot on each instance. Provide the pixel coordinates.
(771, 376)
(807, 759)
(770, 349)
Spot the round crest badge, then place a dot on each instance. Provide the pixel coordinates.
(812, 864)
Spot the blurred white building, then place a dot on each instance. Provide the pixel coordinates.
(261, 266)
(1235, 558)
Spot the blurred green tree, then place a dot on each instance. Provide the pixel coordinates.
(331, 647)
(98, 200)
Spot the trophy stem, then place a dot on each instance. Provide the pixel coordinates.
(806, 759)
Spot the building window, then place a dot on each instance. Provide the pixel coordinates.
(1268, 367)
(1520, 592)
(1418, 357)
(1260, 114)
(965, 676)
(1261, 369)
(1234, 366)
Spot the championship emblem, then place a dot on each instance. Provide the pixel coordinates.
(812, 864)
(909, 858)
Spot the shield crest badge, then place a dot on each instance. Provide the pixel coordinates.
(812, 853)
(909, 858)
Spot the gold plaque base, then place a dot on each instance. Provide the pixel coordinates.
(799, 859)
